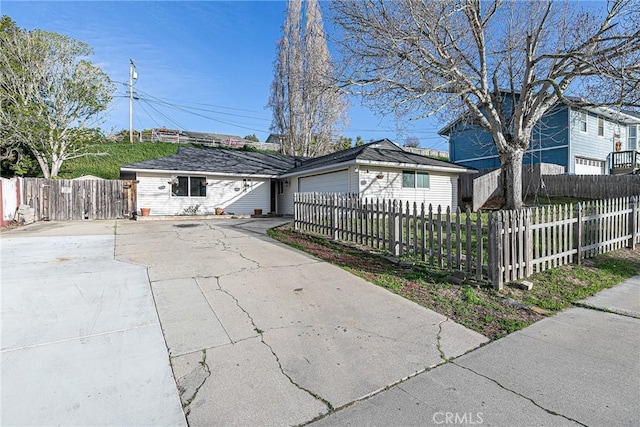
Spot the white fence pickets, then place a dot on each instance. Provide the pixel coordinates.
(500, 246)
(444, 239)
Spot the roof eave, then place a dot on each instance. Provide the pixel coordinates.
(324, 168)
(612, 114)
(186, 172)
(456, 169)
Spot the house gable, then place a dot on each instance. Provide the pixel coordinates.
(556, 138)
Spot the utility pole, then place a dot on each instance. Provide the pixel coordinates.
(132, 76)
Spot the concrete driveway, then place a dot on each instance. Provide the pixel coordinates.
(257, 333)
(81, 340)
(261, 334)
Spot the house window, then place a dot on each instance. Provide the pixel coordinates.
(583, 121)
(632, 137)
(280, 187)
(413, 179)
(600, 126)
(189, 186)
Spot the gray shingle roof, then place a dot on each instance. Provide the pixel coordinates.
(220, 161)
(239, 162)
(377, 151)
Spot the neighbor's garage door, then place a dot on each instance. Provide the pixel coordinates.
(586, 166)
(334, 182)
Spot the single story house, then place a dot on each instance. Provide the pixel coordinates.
(583, 140)
(241, 181)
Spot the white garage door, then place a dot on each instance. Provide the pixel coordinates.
(334, 182)
(589, 166)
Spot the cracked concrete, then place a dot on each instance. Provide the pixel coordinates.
(580, 367)
(190, 383)
(282, 331)
(260, 334)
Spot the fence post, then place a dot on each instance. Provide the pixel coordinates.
(296, 211)
(334, 215)
(528, 244)
(633, 205)
(394, 228)
(495, 250)
(578, 233)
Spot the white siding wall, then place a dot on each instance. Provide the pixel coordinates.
(354, 181)
(588, 144)
(443, 188)
(154, 192)
(285, 201)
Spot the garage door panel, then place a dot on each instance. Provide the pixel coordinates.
(334, 182)
(584, 166)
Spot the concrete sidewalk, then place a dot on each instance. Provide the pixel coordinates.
(580, 367)
(262, 334)
(81, 340)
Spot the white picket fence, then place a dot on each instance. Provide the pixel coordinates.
(498, 246)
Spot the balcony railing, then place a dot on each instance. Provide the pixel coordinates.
(625, 161)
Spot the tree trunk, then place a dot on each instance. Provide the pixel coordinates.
(512, 173)
(55, 167)
(44, 165)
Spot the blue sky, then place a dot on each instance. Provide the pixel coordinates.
(212, 58)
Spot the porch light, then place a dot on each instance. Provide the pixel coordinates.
(380, 175)
(286, 182)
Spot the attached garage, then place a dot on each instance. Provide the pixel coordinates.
(585, 166)
(332, 182)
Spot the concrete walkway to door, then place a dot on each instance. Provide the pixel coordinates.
(261, 334)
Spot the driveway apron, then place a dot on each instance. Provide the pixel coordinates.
(262, 334)
(81, 340)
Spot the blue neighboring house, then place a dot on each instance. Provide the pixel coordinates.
(586, 141)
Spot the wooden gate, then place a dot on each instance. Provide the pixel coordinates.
(64, 199)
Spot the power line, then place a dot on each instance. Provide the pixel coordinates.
(186, 110)
(186, 107)
(168, 118)
(149, 115)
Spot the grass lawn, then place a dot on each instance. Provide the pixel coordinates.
(492, 313)
(107, 158)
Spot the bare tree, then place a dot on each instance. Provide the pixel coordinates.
(502, 63)
(306, 103)
(412, 142)
(49, 96)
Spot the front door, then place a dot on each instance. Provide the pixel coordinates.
(273, 195)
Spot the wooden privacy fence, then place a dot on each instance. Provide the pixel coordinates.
(498, 246)
(64, 199)
(591, 186)
(479, 188)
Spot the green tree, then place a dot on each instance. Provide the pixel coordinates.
(14, 158)
(359, 141)
(342, 143)
(252, 137)
(50, 96)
